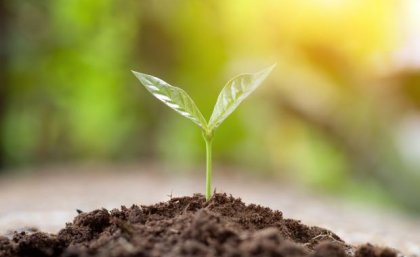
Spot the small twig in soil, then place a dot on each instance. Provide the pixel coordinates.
(323, 236)
(170, 195)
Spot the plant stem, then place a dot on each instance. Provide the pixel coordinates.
(208, 166)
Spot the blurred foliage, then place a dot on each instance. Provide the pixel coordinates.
(335, 115)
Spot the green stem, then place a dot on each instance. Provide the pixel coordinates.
(208, 166)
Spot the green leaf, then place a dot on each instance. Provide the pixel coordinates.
(174, 97)
(234, 92)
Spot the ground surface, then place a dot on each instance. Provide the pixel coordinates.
(50, 199)
(188, 226)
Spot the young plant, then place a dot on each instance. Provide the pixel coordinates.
(234, 92)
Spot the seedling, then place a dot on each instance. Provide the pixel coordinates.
(234, 92)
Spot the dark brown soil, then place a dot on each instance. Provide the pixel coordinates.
(187, 226)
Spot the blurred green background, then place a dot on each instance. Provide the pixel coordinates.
(340, 113)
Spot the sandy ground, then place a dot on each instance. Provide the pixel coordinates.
(49, 199)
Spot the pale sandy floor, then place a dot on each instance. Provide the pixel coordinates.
(49, 199)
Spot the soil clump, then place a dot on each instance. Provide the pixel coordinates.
(185, 226)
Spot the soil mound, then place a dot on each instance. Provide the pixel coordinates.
(186, 226)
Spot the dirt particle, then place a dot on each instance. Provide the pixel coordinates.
(96, 220)
(369, 250)
(38, 245)
(329, 249)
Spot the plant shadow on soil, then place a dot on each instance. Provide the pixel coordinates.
(186, 226)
